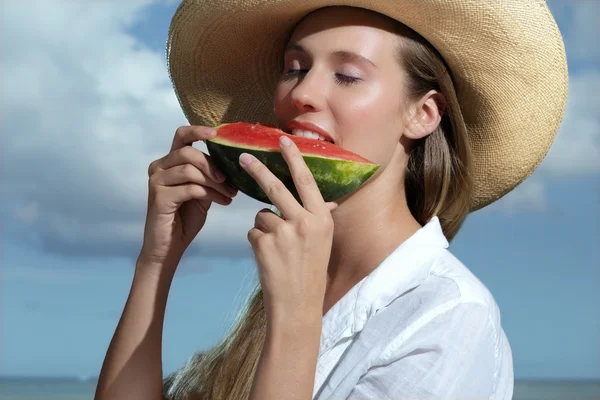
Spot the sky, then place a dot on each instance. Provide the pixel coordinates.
(87, 105)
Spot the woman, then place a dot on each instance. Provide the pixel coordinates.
(359, 298)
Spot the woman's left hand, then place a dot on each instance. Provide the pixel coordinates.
(292, 253)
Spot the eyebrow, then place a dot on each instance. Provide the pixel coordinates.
(343, 55)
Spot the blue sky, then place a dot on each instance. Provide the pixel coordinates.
(88, 105)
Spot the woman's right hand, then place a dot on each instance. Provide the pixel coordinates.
(182, 186)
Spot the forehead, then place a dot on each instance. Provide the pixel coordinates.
(348, 27)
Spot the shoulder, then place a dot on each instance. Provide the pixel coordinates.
(450, 309)
(448, 341)
(463, 291)
(453, 296)
(440, 338)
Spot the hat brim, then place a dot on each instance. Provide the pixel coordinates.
(507, 59)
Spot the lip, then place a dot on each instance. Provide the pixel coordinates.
(307, 126)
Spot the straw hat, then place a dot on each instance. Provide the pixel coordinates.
(507, 59)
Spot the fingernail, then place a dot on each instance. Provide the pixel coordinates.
(212, 133)
(232, 191)
(285, 141)
(245, 159)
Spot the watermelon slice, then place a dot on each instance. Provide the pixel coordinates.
(337, 172)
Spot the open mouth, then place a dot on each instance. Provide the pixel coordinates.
(309, 134)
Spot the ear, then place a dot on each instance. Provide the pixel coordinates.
(425, 115)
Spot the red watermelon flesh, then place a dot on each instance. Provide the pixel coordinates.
(337, 172)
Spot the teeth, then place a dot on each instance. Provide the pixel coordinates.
(308, 134)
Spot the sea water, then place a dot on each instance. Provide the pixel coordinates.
(46, 389)
(80, 389)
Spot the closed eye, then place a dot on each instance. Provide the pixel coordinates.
(340, 79)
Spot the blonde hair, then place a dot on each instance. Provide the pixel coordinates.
(437, 184)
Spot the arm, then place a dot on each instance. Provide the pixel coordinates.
(292, 253)
(287, 366)
(132, 368)
(181, 188)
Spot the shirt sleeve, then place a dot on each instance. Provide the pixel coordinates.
(451, 354)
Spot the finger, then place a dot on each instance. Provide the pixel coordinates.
(187, 173)
(177, 195)
(190, 155)
(305, 183)
(267, 221)
(275, 190)
(254, 235)
(186, 135)
(331, 205)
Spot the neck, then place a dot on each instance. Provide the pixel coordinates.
(369, 225)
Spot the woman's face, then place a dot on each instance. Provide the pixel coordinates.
(341, 75)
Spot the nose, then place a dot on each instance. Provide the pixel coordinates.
(309, 92)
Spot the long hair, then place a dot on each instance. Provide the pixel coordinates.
(437, 183)
(438, 177)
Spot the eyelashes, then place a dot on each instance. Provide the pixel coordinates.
(340, 79)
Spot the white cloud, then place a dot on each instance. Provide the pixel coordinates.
(578, 22)
(586, 30)
(528, 196)
(576, 150)
(87, 107)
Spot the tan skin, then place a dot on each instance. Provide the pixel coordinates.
(367, 116)
(326, 248)
(335, 250)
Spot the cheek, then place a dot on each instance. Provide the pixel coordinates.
(374, 127)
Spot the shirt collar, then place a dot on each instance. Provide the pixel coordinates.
(404, 269)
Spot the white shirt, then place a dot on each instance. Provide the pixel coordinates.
(419, 326)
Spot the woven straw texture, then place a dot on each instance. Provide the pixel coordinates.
(507, 58)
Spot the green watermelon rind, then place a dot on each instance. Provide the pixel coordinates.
(335, 177)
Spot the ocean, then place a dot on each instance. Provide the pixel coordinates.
(74, 389)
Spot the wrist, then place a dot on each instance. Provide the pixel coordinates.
(155, 269)
(306, 318)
